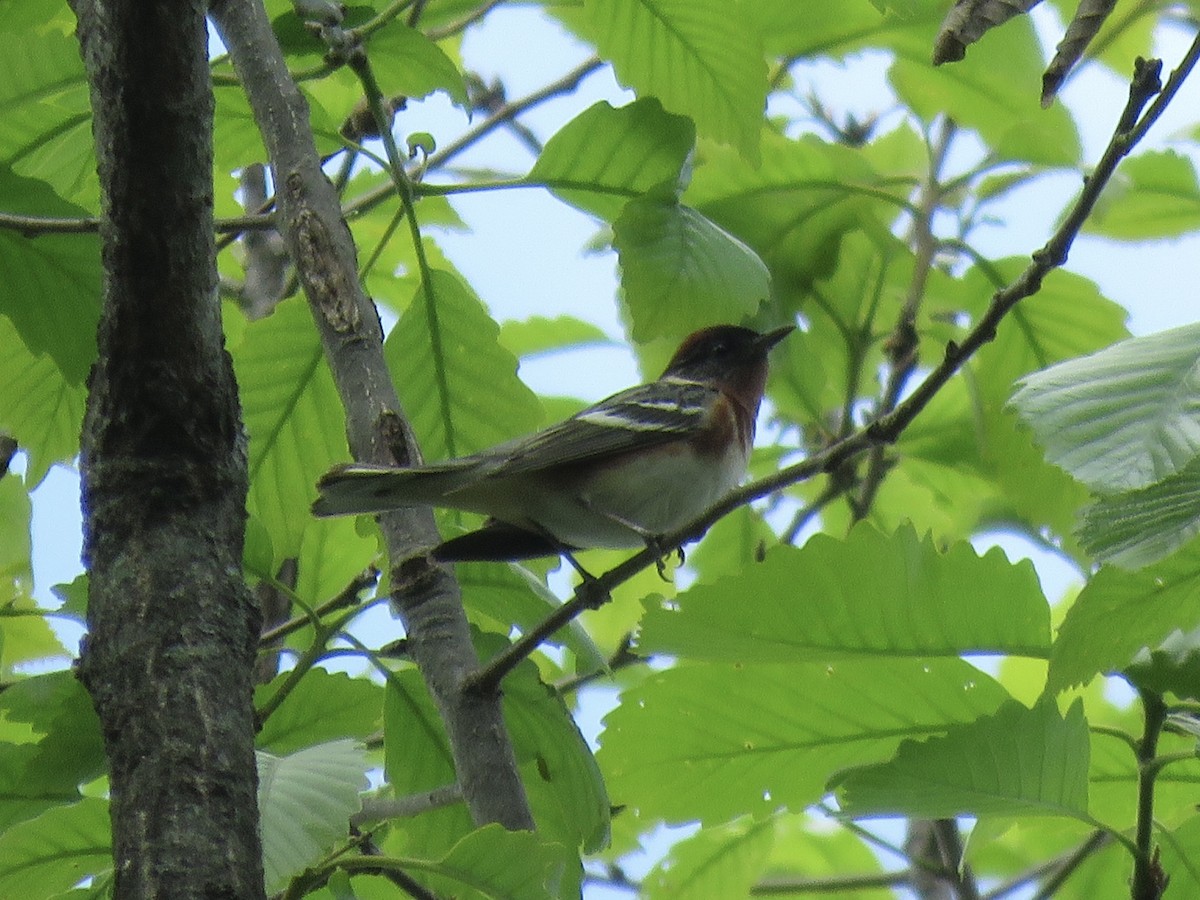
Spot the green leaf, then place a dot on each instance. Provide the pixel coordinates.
(718, 740)
(735, 543)
(297, 431)
(417, 759)
(1018, 762)
(39, 407)
(869, 595)
(305, 800)
(323, 706)
(16, 565)
(1174, 665)
(1122, 418)
(680, 271)
(459, 386)
(1154, 195)
(65, 267)
(1181, 856)
(481, 867)
(408, 63)
(44, 856)
(797, 205)
(604, 156)
(724, 861)
(695, 56)
(564, 784)
(1119, 613)
(1137, 528)
(1068, 317)
(511, 595)
(28, 787)
(45, 132)
(70, 747)
(237, 141)
(836, 30)
(539, 334)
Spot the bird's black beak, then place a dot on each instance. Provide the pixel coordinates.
(771, 338)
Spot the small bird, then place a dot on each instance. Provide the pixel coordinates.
(617, 474)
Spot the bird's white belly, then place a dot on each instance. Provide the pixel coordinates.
(658, 493)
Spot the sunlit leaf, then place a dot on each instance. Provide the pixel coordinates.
(1031, 762)
(692, 55)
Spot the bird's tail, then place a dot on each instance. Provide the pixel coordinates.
(360, 488)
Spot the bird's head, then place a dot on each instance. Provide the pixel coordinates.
(730, 357)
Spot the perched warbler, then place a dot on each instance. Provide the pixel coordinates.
(618, 474)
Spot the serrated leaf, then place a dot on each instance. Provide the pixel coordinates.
(322, 706)
(458, 386)
(407, 62)
(871, 595)
(1154, 195)
(1137, 528)
(692, 55)
(680, 271)
(60, 848)
(1118, 613)
(1122, 418)
(718, 740)
(604, 156)
(305, 800)
(1026, 762)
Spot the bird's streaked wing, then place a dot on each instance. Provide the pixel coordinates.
(638, 418)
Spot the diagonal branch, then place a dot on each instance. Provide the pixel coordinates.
(1131, 127)
(427, 597)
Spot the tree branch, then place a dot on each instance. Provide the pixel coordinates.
(426, 596)
(169, 658)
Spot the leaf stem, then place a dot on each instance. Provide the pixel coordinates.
(1149, 880)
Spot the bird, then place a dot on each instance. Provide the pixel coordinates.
(617, 475)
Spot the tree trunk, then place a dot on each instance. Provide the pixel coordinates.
(169, 657)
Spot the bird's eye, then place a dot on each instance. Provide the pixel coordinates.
(720, 347)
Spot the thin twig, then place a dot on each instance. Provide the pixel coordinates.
(902, 345)
(883, 430)
(347, 597)
(835, 884)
